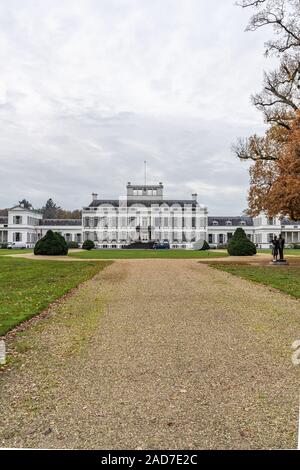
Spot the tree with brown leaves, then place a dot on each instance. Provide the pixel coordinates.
(275, 184)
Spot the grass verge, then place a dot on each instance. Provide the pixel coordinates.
(5, 251)
(285, 278)
(27, 287)
(130, 254)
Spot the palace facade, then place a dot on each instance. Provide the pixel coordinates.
(143, 216)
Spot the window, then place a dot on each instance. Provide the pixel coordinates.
(242, 222)
(228, 222)
(221, 238)
(68, 237)
(210, 238)
(154, 192)
(17, 219)
(32, 221)
(215, 222)
(17, 237)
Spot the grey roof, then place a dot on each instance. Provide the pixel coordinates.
(98, 202)
(235, 221)
(290, 222)
(3, 220)
(30, 209)
(59, 222)
(145, 202)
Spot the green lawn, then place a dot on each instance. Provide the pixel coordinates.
(27, 287)
(288, 251)
(284, 278)
(126, 254)
(15, 252)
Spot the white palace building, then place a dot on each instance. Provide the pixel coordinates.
(145, 216)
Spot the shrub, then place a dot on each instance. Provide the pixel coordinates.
(240, 245)
(52, 244)
(88, 245)
(73, 245)
(205, 246)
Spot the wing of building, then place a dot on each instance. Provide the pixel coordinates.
(141, 217)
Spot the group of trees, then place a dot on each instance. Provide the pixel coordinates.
(52, 211)
(275, 171)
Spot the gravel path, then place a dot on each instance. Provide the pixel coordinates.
(163, 354)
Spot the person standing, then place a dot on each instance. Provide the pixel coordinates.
(275, 249)
(281, 243)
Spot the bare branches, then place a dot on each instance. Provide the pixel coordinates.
(282, 16)
(255, 148)
(249, 3)
(275, 173)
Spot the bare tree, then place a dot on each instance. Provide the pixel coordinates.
(279, 99)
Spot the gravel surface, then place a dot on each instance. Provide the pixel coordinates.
(159, 354)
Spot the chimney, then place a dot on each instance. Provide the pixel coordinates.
(194, 196)
(94, 196)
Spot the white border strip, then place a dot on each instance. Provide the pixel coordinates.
(299, 427)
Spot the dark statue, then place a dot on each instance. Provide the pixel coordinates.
(275, 249)
(278, 247)
(281, 242)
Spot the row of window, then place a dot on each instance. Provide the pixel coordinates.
(140, 192)
(228, 222)
(18, 220)
(112, 222)
(122, 236)
(33, 237)
(221, 238)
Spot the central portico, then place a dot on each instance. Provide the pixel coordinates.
(144, 215)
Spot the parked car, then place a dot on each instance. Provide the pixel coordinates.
(16, 245)
(161, 246)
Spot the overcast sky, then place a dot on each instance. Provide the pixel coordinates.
(89, 89)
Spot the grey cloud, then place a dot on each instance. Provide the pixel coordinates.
(90, 89)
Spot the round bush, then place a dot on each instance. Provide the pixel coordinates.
(73, 245)
(52, 244)
(240, 245)
(88, 245)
